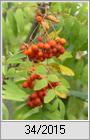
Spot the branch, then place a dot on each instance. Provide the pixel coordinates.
(35, 26)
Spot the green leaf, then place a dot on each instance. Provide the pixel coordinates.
(74, 108)
(84, 76)
(16, 58)
(40, 84)
(20, 20)
(50, 96)
(65, 82)
(12, 21)
(52, 106)
(53, 78)
(5, 112)
(57, 112)
(13, 92)
(11, 72)
(61, 108)
(31, 112)
(53, 115)
(79, 94)
(62, 89)
(65, 56)
(41, 70)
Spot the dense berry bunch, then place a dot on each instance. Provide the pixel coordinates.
(29, 83)
(43, 50)
(37, 98)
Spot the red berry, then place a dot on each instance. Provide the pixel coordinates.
(30, 104)
(40, 45)
(34, 48)
(54, 50)
(40, 54)
(25, 84)
(40, 38)
(37, 102)
(52, 43)
(62, 50)
(41, 94)
(46, 46)
(33, 96)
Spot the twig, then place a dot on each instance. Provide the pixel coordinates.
(42, 7)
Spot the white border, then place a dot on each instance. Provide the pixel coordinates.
(88, 67)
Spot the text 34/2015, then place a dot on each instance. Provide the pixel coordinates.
(45, 129)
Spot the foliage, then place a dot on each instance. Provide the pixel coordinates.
(68, 100)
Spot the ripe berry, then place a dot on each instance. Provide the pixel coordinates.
(41, 94)
(58, 47)
(30, 52)
(30, 104)
(34, 48)
(46, 46)
(52, 43)
(40, 38)
(40, 45)
(54, 50)
(40, 54)
(37, 102)
(39, 19)
(62, 50)
(33, 77)
(25, 84)
(34, 96)
(62, 41)
(25, 52)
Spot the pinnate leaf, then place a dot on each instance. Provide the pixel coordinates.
(53, 78)
(50, 96)
(40, 84)
(13, 92)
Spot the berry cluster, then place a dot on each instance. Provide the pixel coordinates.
(37, 98)
(29, 83)
(43, 50)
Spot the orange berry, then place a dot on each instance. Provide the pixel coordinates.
(39, 19)
(34, 47)
(40, 45)
(25, 52)
(40, 54)
(30, 51)
(62, 41)
(46, 46)
(52, 43)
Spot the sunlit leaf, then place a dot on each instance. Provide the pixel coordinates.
(66, 70)
(13, 92)
(40, 84)
(50, 96)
